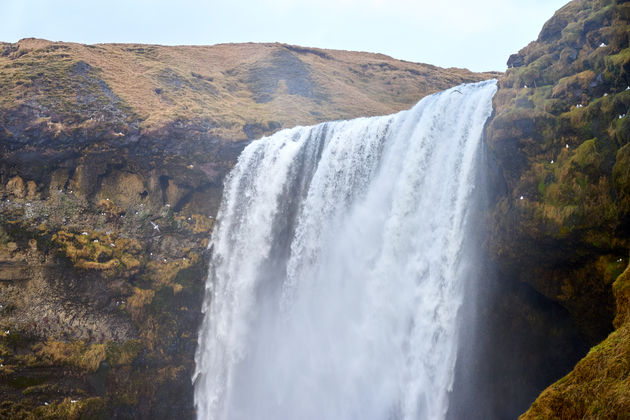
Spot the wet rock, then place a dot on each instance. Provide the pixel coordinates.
(16, 188)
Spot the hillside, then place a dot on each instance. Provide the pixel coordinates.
(231, 91)
(112, 159)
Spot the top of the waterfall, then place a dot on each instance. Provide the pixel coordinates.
(491, 84)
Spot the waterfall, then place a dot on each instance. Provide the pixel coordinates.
(338, 267)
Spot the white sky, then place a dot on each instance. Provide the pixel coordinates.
(479, 35)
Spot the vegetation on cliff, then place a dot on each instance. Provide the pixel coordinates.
(231, 91)
(598, 386)
(558, 133)
(560, 137)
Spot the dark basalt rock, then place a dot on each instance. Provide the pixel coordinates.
(515, 60)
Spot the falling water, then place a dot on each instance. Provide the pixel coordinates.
(338, 267)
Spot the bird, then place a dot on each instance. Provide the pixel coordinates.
(455, 90)
(155, 226)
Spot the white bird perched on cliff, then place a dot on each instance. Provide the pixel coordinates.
(155, 226)
(551, 161)
(602, 45)
(566, 145)
(522, 197)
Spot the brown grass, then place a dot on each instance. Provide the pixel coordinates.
(75, 353)
(161, 84)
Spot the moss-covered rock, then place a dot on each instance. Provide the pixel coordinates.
(599, 385)
(99, 251)
(556, 138)
(560, 138)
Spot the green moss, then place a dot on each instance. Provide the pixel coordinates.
(585, 155)
(579, 205)
(75, 354)
(619, 60)
(73, 409)
(123, 354)
(599, 386)
(621, 177)
(99, 251)
(44, 388)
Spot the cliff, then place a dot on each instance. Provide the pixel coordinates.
(561, 221)
(111, 169)
(112, 160)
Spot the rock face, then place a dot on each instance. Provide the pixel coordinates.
(112, 160)
(561, 219)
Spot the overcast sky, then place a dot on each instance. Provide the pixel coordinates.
(477, 34)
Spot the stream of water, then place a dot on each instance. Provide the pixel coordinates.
(338, 267)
